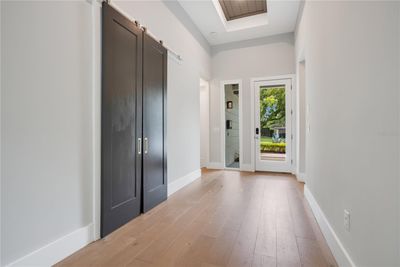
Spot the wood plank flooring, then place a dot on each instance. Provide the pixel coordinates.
(226, 218)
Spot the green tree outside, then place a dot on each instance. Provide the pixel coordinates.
(272, 107)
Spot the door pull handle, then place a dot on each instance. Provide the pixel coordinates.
(146, 145)
(139, 144)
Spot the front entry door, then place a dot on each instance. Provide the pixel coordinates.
(273, 119)
(121, 121)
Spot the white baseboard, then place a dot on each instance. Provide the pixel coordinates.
(57, 250)
(342, 257)
(220, 166)
(301, 176)
(183, 181)
(203, 163)
(246, 167)
(215, 165)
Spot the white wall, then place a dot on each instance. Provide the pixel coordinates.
(352, 78)
(45, 123)
(50, 99)
(263, 57)
(301, 120)
(399, 123)
(204, 123)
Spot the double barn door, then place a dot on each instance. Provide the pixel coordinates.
(134, 173)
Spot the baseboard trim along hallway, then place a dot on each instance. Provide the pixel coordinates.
(57, 250)
(342, 257)
(215, 166)
(183, 181)
(246, 167)
(301, 176)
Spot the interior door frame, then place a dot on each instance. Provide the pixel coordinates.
(253, 82)
(223, 124)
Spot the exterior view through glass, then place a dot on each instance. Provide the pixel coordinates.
(272, 123)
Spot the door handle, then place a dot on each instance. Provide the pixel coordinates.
(257, 133)
(139, 144)
(146, 145)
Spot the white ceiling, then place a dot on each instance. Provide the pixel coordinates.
(207, 15)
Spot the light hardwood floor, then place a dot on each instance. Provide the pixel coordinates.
(226, 218)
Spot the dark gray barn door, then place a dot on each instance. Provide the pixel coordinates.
(154, 123)
(121, 120)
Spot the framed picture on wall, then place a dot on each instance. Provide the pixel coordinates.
(229, 104)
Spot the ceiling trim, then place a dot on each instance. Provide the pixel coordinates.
(299, 16)
(278, 38)
(210, 20)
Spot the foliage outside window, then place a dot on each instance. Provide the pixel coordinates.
(272, 119)
(272, 105)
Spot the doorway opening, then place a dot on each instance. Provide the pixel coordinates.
(273, 121)
(231, 118)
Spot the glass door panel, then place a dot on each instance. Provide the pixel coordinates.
(272, 123)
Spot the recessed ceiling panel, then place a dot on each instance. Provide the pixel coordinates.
(209, 17)
(235, 9)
